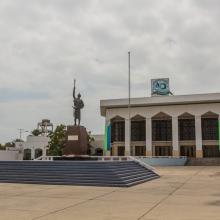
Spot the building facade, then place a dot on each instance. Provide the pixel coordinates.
(33, 147)
(181, 125)
(36, 145)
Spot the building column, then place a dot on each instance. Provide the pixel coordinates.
(198, 131)
(44, 152)
(32, 153)
(127, 137)
(149, 137)
(175, 136)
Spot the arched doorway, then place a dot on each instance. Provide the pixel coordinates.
(138, 135)
(188, 151)
(38, 152)
(210, 134)
(140, 150)
(162, 134)
(138, 128)
(117, 129)
(27, 154)
(117, 135)
(187, 136)
(186, 125)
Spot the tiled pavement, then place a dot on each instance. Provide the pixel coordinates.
(186, 193)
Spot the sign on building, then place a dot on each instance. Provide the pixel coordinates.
(160, 87)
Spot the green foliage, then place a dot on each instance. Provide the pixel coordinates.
(57, 141)
(9, 144)
(16, 140)
(36, 132)
(90, 140)
(2, 147)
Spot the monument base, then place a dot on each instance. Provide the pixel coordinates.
(76, 141)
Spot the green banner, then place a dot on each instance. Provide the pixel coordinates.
(106, 139)
(219, 135)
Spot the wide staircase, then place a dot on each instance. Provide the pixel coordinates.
(215, 161)
(90, 173)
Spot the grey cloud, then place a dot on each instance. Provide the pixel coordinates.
(12, 94)
(44, 44)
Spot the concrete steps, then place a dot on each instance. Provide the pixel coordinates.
(93, 173)
(214, 161)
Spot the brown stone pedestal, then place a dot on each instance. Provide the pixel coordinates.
(76, 141)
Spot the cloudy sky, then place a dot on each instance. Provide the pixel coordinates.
(44, 44)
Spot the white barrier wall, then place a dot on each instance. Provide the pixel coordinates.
(9, 155)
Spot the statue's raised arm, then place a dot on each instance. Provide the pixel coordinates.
(74, 90)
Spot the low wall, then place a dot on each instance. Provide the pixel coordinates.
(206, 161)
(9, 155)
(164, 161)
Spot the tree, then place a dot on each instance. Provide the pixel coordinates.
(36, 132)
(2, 147)
(16, 140)
(57, 140)
(9, 144)
(90, 140)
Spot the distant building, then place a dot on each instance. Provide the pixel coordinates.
(163, 125)
(97, 145)
(36, 146)
(33, 147)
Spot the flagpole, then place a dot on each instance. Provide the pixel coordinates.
(129, 99)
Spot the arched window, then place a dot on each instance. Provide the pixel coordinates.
(38, 152)
(27, 154)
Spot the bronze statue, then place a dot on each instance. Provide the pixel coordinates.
(78, 105)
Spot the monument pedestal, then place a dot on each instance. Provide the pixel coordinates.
(76, 141)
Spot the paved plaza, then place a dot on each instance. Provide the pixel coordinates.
(181, 193)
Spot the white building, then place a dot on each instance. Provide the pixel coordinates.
(180, 125)
(33, 147)
(36, 146)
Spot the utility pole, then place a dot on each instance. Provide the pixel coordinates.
(21, 130)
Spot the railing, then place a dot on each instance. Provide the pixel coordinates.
(143, 164)
(98, 158)
(101, 158)
(108, 158)
(178, 157)
(137, 159)
(50, 158)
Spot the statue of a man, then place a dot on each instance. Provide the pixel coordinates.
(78, 105)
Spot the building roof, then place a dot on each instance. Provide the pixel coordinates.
(160, 101)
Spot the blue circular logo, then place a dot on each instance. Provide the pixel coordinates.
(161, 87)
